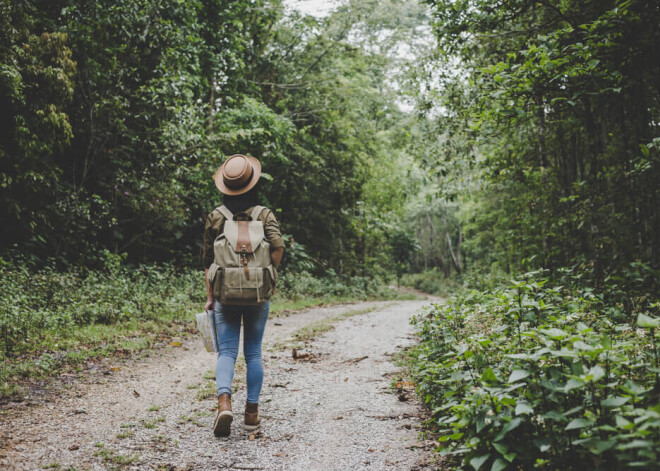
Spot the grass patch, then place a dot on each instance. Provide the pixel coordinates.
(113, 459)
(151, 424)
(184, 419)
(125, 434)
(209, 374)
(207, 390)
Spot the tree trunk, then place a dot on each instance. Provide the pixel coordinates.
(451, 252)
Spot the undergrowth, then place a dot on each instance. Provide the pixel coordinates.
(540, 375)
(52, 319)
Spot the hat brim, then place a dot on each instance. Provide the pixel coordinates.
(225, 190)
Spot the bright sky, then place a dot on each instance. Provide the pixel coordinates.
(317, 8)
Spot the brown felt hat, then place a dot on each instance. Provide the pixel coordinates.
(237, 175)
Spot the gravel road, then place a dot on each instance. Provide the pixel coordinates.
(331, 408)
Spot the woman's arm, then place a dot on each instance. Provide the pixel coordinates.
(211, 228)
(210, 301)
(274, 237)
(276, 256)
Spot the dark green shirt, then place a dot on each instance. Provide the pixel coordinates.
(215, 222)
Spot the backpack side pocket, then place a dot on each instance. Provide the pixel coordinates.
(214, 276)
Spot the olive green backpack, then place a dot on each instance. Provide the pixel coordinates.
(242, 272)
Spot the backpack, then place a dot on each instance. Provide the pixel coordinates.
(242, 272)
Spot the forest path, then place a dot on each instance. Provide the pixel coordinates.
(330, 409)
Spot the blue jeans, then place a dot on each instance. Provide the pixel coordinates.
(228, 329)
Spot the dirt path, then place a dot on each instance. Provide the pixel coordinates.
(331, 409)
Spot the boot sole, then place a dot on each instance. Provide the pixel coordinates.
(222, 424)
(250, 427)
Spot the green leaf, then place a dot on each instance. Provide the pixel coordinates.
(646, 321)
(554, 333)
(517, 375)
(574, 383)
(504, 451)
(614, 401)
(499, 464)
(621, 421)
(595, 373)
(554, 415)
(479, 461)
(578, 423)
(524, 408)
(543, 444)
(508, 428)
(489, 376)
(636, 444)
(603, 445)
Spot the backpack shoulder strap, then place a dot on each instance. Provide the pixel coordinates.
(256, 211)
(225, 212)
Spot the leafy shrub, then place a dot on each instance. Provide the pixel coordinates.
(39, 299)
(303, 285)
(537, 376)
(430, 281)
(433, 281)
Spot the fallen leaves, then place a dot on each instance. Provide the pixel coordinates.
(408, 385)
(307, 356)
(403, 390)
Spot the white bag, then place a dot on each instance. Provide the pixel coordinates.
(206, 327)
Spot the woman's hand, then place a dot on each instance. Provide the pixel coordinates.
(209, 304)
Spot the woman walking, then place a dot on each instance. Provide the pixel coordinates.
(230, 234)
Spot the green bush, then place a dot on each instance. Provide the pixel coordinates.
(304, 285)
(430, 281)
(534, 376)
(40, 299)
(433, 281)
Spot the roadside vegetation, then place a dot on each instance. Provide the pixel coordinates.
(541, 223)
(545, 374)
(55, 320)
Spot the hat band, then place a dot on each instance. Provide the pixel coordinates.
(237, 185)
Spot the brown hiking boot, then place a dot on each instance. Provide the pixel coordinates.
(252, 419)
(222, 424)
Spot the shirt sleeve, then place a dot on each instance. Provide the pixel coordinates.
(272, 230)
(211, 230)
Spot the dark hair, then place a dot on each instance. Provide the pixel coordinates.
(238, 203)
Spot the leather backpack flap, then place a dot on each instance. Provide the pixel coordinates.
(243, 239)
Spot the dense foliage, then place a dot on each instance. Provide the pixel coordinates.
(546, 120)
(534, 375)
(118, 113)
